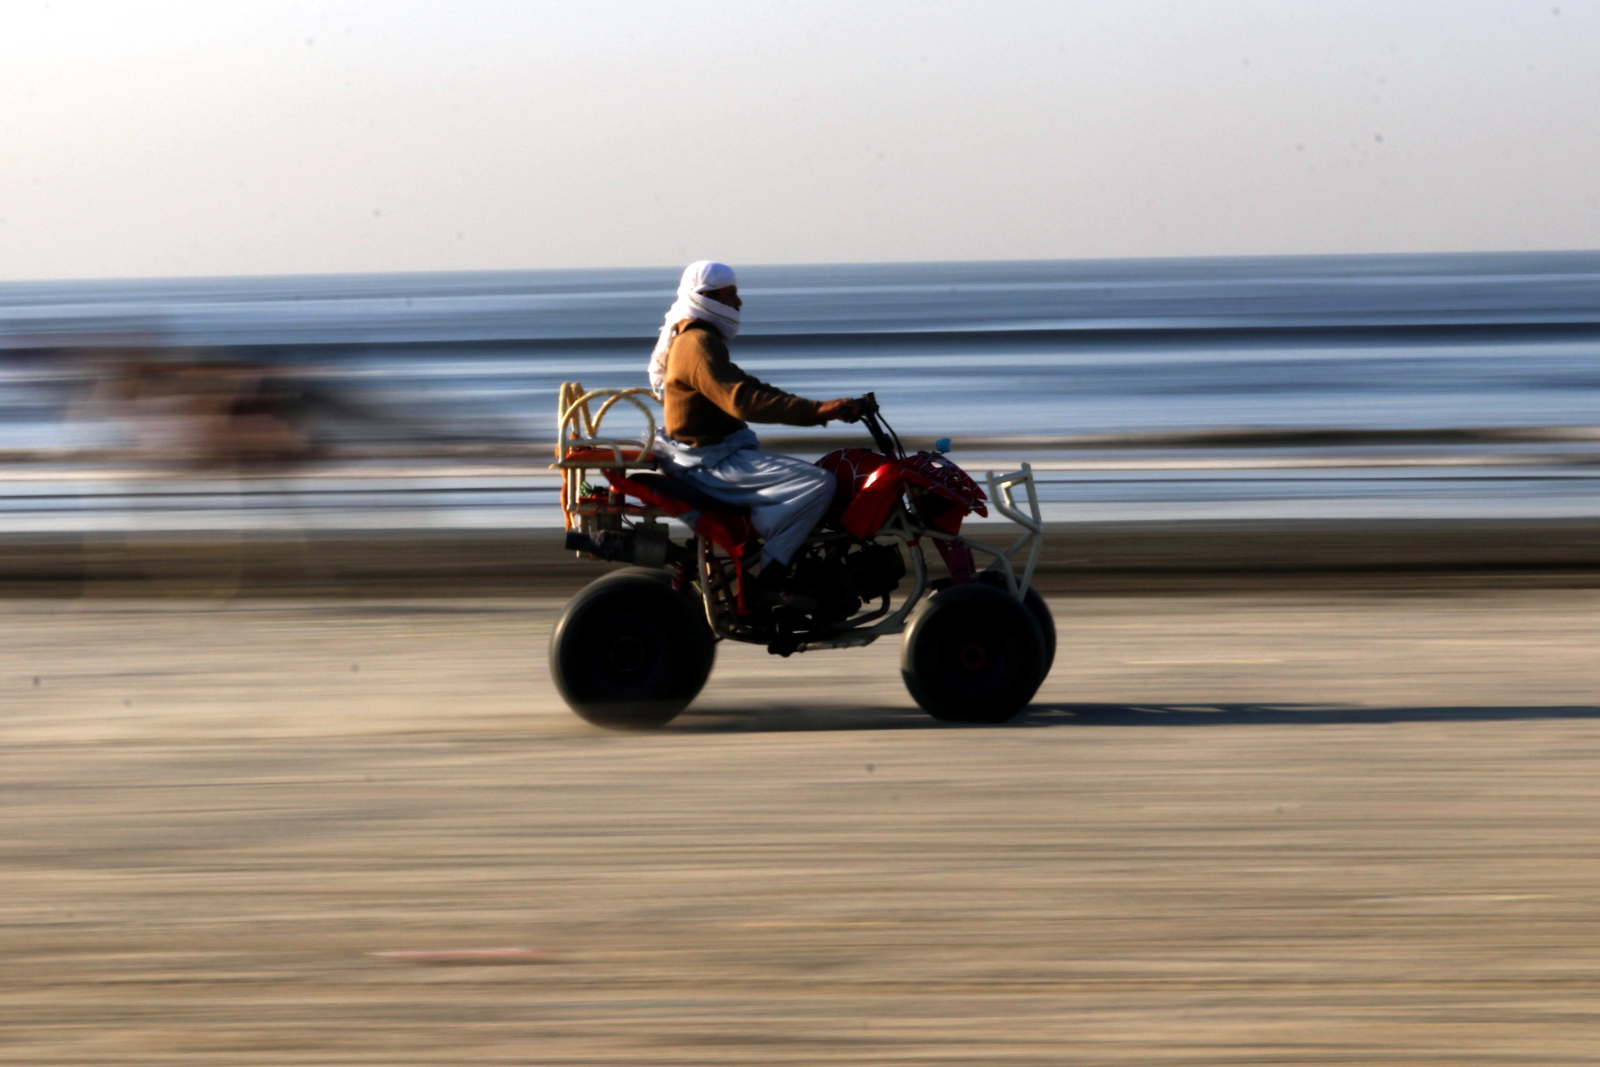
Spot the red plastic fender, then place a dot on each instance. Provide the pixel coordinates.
(732, 532)
(874, 500)
(849, 467)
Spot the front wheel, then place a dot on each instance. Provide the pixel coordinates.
(629, 652)
(973, 654)
(1040, 611)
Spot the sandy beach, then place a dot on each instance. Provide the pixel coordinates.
(1308, 829)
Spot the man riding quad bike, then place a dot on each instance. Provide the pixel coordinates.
(784, 553)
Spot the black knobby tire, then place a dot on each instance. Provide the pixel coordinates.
(973, 654)
(1040, 612)
(629, 652)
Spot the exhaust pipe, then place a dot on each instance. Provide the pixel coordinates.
(643, 546)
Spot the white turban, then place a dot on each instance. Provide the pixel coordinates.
(699, 278)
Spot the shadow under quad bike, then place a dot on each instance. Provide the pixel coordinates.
(636, 646)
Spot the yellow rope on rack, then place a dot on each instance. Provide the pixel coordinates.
(570, 479)
(579, 427)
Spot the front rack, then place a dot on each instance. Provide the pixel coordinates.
(1002, 489)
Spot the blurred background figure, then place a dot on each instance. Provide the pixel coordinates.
(199, 409)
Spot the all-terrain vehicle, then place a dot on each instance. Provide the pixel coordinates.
(636, 646)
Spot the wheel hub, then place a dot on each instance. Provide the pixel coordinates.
(626, 654)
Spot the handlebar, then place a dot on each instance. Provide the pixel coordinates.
(886, 439)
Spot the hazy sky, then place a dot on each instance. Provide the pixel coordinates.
(157, 138)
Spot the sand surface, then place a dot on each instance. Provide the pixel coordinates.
(1233, 830)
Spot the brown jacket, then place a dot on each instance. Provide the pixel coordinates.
(707, 397)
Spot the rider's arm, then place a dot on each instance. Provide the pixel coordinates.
(719, 380)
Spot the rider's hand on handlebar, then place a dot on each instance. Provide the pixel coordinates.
(845, 410)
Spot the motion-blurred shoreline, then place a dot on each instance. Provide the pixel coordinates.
(1387, 409)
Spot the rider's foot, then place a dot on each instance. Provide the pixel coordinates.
(765, 591)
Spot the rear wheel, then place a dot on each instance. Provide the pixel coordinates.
(629, 652)
(1038, 609)
(973, 654)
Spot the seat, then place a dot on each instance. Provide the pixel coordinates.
(694, 496)
(585, 455)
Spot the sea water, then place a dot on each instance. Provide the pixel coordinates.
(1439, 384)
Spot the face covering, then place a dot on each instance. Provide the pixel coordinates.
(699, 278)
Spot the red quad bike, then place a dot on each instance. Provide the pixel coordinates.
(636, 646)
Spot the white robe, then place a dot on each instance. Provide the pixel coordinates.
(787, 497)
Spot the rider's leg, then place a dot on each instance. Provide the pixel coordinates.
(784, 526)
(787, 497)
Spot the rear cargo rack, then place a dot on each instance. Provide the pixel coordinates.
(580, 448)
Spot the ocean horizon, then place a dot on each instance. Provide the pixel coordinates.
(1361, 385)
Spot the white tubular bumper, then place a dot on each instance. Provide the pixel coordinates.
(1003, 495)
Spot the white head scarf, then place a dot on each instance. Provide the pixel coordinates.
(701, 277)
